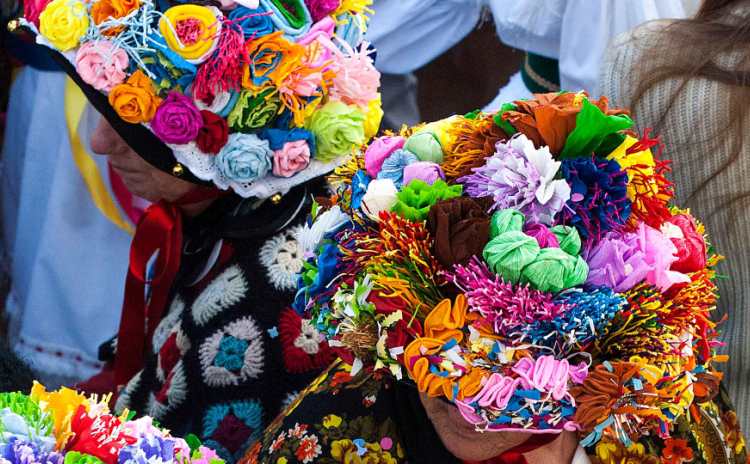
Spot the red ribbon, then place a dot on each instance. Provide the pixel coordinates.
(159, 230)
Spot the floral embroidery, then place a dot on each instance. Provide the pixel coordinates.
(283, 257)
(308, 449)
(676, 451)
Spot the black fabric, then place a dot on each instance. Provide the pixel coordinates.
(15, 375)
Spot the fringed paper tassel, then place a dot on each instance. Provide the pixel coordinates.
(223, 71)
(473, 141)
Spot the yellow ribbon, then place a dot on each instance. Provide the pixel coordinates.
(75, 103)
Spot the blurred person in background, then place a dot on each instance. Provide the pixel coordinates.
(564, 40)
(689, 80)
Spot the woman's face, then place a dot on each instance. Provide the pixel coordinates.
(464, 442)
(141, 178)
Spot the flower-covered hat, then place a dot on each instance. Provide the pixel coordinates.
(254, 96)
(65, 426)
(526, 265)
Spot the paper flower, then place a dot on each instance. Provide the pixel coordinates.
(326, 223)
(338, 128)
(460, 227)
(691, 246)
(426, 146)
(379, 150)
(271, 59)
(292, 158)
(425, 171)
(103, 10)
(100, 436)
(63, 23)
(177, 120)
(101, 64)
(32, 9)
(170, 70)
(135, 100)
(381, 195)
(191, 30)
(521, 177)
(244, 158)
(254, 23)
(416, 199)
(355, 80)
(213, 134)
(319, 9)
(18, 451)
(599, 200)
(253, 111)
(393, 166)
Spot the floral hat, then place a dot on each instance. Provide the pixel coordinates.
(526, 265)
(65, 426)
(255, 96)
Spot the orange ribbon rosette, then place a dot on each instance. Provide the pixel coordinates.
(273, 58)
(135, 100)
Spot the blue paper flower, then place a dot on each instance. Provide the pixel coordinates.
(278, 137)
(359, 187)
(244, 158)
(18, 451)
(393, 166)
(254, 23)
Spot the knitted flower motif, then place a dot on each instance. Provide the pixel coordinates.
(599, 200)
(18, 451)
(521, 177)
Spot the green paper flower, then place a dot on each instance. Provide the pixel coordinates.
(416, 199)
(509, 253)
(74, 457)
(592, 128)
(426, 146)
(568, 238)
(338, 128)
(24, 406)
(553, 270)
(506, 220)
(253, 111)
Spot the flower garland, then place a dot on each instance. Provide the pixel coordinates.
(526, 265)
(65, 426)
(204, 78)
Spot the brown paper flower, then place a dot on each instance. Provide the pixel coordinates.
(551, 117)
(460, 227)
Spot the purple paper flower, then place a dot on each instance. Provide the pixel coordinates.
(623, 260)
(149, 449)
(521, 177)
(18, 451)
(544, 237)
(177, 120)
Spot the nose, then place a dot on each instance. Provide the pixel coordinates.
(105, 140)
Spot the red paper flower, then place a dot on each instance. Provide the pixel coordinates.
(214, 133)
(100, 436)
(691, 249)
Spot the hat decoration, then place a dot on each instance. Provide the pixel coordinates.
(255, 96)
(68, 427)
(526, 265)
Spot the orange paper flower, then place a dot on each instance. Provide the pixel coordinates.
(271, 59)
(445, 321)
(135, 100)
(103, 10)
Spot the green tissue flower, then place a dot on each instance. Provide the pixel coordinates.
(592, 128)
(416, 199)
(506, 220)
(338, 128)
(568, 238)
(553, 270)
(74, 457)
(509, 253)
(24, 406)
(253, 111)
(426, 146)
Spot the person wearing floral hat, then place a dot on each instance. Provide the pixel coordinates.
(225, 118)
(515, 287)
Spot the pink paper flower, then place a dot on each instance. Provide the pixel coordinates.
(291, 159)
(380, 149)
(101, 64)
(319, 9)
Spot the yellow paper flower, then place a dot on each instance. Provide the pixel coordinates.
(60, 405)
(191, 31)
(63, 23)
(331, 421)
(642, 161)
(373, 117)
